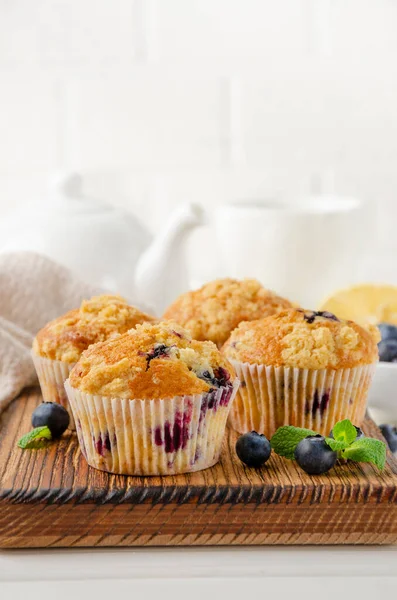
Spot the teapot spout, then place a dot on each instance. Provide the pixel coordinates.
(161, 273)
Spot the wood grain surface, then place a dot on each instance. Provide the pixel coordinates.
(51, 498)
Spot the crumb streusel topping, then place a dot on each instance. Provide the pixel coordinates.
(151, 361)
(97, 319)
(214, 310)
(304, 339)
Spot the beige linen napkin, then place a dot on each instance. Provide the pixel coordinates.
(33, 290)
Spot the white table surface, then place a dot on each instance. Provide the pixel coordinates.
(366, 573)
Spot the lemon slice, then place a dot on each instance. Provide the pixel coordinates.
(366, 304)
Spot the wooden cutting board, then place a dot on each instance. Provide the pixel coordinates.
(51, 498)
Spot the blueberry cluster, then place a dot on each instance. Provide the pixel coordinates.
(388, 345)
(389, 432)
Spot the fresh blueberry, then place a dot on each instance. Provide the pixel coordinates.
(388, 331)
(314, 456)
(388, 350)
(53, 415)
(389, 432)
(360, 433)
(253, 449)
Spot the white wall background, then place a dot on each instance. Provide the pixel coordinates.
(161, 101)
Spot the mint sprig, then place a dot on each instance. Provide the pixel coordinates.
(344, 442)
(286, 439)
(336, 445)
(35, 439)
(367, 450)
(344, 431)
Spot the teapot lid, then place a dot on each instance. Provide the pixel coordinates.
(66, 193)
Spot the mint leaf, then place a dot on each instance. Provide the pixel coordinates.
(37, 438)
(336, 445)
(286, 439)
(367, 450)
(344, 431)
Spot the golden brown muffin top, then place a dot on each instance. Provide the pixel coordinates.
(304, 339)
(152, 361)
(97, 319)
(213, 311)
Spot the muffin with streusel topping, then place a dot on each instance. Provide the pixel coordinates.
(58, 346)
(151, 401)
(214, 310)
(302, 368)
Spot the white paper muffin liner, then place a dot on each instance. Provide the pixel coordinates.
(269, 397)
(52, 375)
(151, 437)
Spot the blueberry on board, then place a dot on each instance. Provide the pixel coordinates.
(389, 432)
(388, 350)
(388, 331)
(360, 433)
(314, 456)
(53, 415)
(253, 449)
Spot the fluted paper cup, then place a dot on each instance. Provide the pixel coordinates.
(52, 375)
(269, 397)
(151, 437)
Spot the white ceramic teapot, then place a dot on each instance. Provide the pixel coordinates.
(105, 245)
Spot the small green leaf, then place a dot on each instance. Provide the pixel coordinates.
(336, 445)
(37, 438)
(367, 450)
(286, 439)
(344, 431)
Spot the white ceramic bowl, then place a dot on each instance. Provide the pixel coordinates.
(382, 398)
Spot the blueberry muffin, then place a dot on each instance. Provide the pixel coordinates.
(213, 311)
(58, 346)
(303, 368)
(151, 401)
